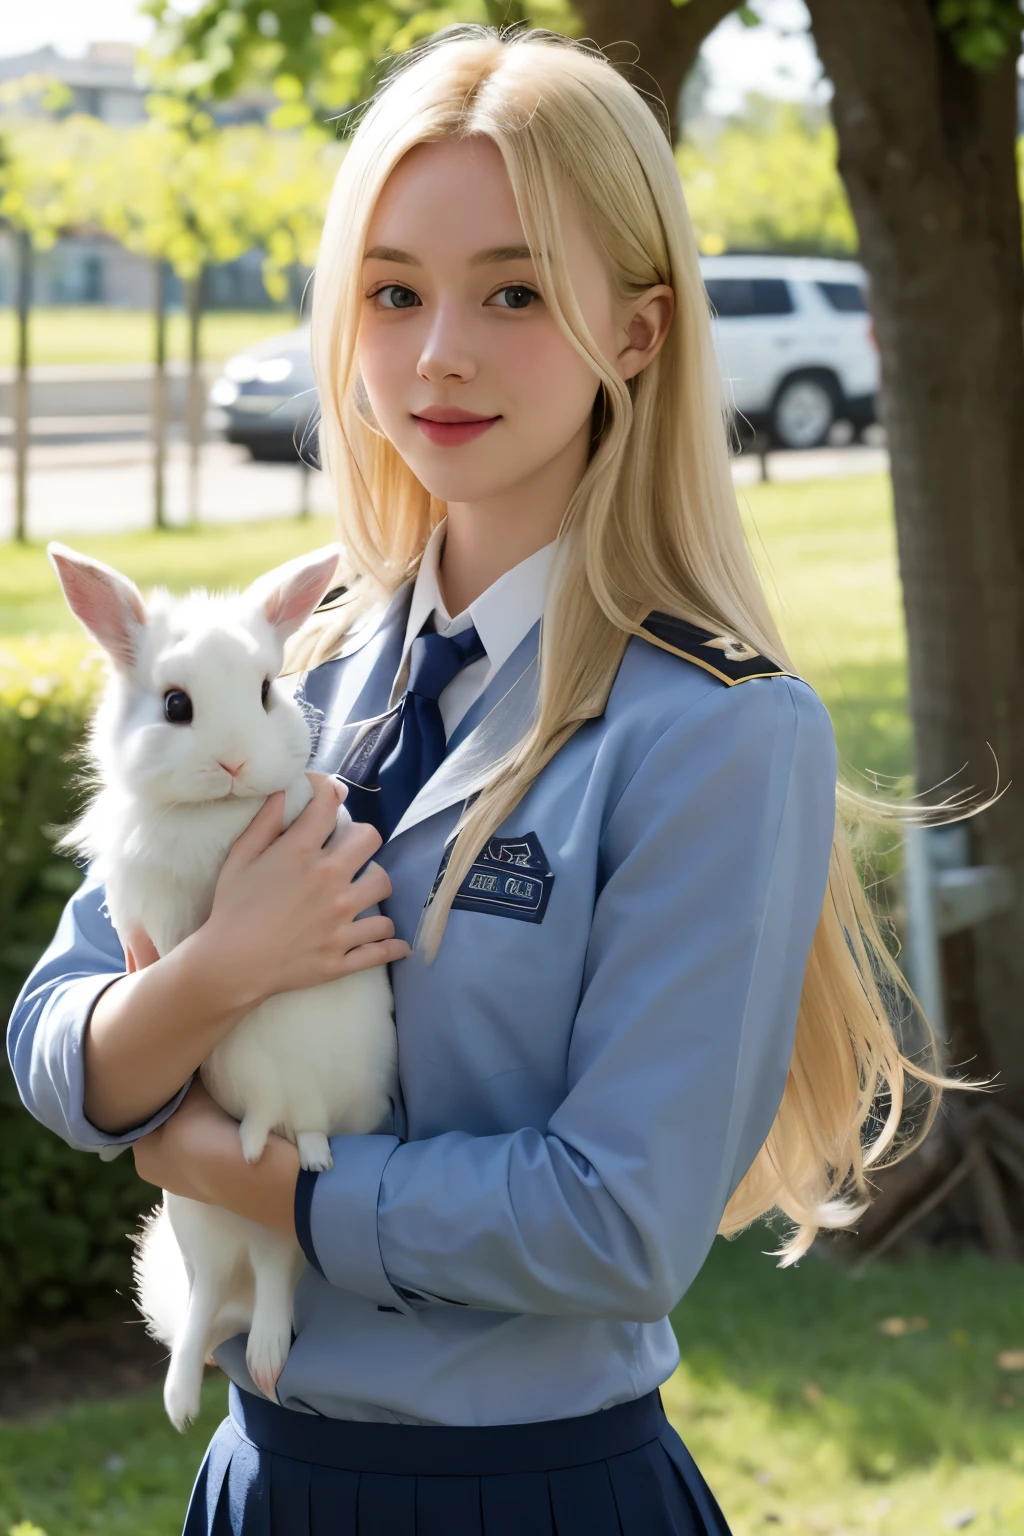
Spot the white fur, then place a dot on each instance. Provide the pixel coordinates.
(307, 1064)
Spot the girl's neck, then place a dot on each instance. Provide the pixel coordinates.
(484, 539)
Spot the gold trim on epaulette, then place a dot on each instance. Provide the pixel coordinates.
(722, 643)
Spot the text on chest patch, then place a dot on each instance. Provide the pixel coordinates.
(510, 878)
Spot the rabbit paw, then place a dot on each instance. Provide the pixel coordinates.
(265, 1356)
(181, 1399)
(314, 1151)
(253, 1137)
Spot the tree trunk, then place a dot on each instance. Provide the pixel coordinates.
(667, 39)
(23, 300)
(927, 152)
(196, 406)
(159, 411)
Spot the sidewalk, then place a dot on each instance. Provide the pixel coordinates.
(107, 487)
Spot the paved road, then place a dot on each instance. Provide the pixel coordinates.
(102, 482)
(108, 487)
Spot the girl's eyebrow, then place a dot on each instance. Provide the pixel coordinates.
(496, 253)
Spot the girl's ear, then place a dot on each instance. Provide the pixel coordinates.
(286, 597)
(647, 325)
(107, 603)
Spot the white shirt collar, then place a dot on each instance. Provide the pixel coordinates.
(503, 615)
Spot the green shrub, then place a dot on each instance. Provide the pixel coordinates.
(63, 1214)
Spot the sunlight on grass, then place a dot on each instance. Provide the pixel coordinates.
(216, 555)
(94, 333)
(805, 1414)
(105, 1469)
(826, 551)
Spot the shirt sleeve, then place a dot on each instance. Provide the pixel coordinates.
(47, 1028)
(714, 866)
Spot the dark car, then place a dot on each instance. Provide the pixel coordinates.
(269, 398)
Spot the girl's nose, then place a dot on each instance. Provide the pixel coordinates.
(446, 353)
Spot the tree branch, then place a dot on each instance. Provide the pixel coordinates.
(667, 39)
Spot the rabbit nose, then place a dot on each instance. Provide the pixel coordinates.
(233, 768)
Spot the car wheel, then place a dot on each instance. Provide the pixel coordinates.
(804, 411)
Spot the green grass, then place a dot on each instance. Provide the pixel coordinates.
(97, 334)
(795, 1405)
(802, 1415)
(106, 1469)
(826, 550)
(214, 555)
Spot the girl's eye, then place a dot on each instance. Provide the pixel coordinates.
(399, 297)
(515, 296)
(265, 692)
(177, 707)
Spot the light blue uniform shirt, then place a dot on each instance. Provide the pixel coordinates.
(588, 1068)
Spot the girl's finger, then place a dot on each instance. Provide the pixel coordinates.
(141, 949)
(314, 825)
(372, 886)
(370, 930)
(264, 829)
(366, 956)
(355, 844)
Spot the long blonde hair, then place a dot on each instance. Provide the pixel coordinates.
(653, 524)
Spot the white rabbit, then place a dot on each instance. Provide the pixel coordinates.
(191, 736)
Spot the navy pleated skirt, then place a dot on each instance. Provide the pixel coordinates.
(622, 1472)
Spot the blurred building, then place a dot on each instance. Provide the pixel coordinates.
(93, 269)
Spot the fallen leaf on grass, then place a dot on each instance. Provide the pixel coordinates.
(896, 1327)
(1011, 1360)
(812, 1393)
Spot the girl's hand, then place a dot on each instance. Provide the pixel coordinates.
(197, 1153)
(176, 1155)
(285, 910)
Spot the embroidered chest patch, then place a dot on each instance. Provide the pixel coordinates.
(511, 878)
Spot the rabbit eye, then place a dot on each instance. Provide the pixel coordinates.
(177, 707)
(265, 692)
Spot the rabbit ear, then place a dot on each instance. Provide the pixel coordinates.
(288, 595)
(107, 603)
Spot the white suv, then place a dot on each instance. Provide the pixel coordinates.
(795, 343)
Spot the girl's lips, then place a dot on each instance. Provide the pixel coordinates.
(449, 434)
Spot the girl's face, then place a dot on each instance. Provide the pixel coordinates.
(465, 368)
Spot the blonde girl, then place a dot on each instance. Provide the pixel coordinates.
(637, 986)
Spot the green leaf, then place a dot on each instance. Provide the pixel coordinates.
(981, 32)
(768, 182)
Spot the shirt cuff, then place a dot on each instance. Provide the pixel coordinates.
(62, 1060)
(336, 1218)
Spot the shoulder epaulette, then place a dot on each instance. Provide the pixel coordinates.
(330, 597)
(729, 659)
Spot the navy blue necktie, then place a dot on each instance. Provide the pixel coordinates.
(411, 745)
